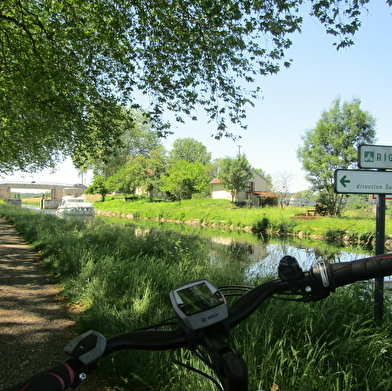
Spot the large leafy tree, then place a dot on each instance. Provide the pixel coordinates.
(65, 65)
(234, 173)
(137, 139)
(126, 179)
(190, 150)
(155, 167)
(333, 144)
(142, 171)
(184, 179)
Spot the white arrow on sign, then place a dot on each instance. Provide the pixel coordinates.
(363, 182)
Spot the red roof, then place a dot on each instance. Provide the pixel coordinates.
(216, 180)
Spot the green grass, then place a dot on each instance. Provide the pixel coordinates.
(121, 279)
(355, 225)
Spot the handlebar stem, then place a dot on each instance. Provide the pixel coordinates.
(227, 362)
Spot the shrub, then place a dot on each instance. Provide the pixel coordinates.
(260, 227)
(333, 235)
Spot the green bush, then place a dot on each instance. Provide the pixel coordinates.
(334, 235)
(261, 227)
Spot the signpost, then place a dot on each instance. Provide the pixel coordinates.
(368, 181)
(363, 182)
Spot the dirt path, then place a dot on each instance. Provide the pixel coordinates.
(34, 324)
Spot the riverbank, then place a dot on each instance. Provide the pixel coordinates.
(354, 226)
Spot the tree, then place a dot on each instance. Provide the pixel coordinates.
(333, 144)
(141, 171)
(99, 186)
(184, 179)
(282, 186)
(306, 195)
(137, 139)
(126, 179)
(154, 168)
(234, 173)
(190, 150)
(65, 66)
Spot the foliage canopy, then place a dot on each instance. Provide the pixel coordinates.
(67, 66)
(184, 179)
(190, 150)
(137, 138)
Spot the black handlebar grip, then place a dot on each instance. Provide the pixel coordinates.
(363, 269)
(58, 378)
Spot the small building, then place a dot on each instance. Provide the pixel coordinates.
(256, 194)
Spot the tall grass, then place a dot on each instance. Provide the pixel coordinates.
(222, 213)
(120, 278)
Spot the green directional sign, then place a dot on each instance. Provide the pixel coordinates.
(363, 182)
(375, 156)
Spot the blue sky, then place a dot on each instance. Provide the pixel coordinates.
(292, 101)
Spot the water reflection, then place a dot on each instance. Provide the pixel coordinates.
(253, 254)
(306, 257)
(257, 257)
(262, 259)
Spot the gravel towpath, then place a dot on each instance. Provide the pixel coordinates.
(35, 324)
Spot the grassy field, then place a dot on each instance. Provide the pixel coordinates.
(120, 280)
(35, 201)
(353, 226)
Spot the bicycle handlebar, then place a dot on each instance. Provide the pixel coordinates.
(316, 284)
(58, 378)
(345, 273)
(152, 340)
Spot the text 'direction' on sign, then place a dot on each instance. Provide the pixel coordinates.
(363, 182)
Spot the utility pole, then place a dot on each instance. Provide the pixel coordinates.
(239, 149)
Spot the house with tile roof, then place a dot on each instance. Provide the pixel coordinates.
(256, 194)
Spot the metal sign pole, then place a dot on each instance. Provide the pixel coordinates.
(373, 178)
(380, 249)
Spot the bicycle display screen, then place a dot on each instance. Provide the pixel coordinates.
(198, 298)
(199, 304)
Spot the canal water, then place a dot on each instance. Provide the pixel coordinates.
(256, 255)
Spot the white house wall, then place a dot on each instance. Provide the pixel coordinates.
(260, 184)
(219, 193)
